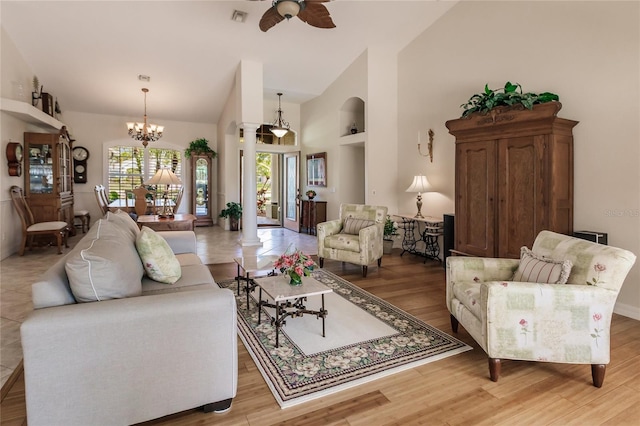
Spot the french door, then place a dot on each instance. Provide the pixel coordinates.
(291, 196)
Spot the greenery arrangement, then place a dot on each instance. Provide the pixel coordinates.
(390, 228)
(233, 210)
(199, 146)
(310, 193)
(510, 95)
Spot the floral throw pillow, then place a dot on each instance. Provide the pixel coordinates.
(537, 269)
(157, 257)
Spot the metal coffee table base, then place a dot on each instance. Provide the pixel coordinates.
(292, 309)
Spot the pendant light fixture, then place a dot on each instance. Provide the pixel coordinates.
(142, 131)
(279, 127)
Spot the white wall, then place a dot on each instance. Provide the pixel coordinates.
(587, 52)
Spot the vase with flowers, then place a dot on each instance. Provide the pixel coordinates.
(311, 194)
(295, 265)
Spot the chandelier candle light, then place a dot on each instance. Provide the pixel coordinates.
(420, 184)
(164, 177)
(279, 127)
(142, 131)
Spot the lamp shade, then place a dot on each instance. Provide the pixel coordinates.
(279, 131)
(420, 184)
(164, 177)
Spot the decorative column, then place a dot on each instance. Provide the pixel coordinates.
(249, 187)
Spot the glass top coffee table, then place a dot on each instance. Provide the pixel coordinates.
(289, 300)
(252, 265)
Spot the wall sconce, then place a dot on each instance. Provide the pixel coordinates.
(429, 145)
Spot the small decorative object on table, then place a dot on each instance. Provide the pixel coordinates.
(295, 265)
(311, 194)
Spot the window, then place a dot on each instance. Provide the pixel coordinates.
(130, 167)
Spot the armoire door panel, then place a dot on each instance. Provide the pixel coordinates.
(521, 193)
(475, 215)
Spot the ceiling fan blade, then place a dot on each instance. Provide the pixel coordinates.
(316, 15)
(269, 19)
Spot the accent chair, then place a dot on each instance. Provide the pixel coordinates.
(356, 237)
(520, 309)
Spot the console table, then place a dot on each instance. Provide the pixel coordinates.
(311, 214)
(179, 222)
(433, 228)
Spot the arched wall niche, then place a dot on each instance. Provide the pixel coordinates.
(352, 113)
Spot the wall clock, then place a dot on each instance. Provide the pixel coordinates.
(14, 158)
(80, 156)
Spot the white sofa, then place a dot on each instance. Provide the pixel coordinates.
(127, 360)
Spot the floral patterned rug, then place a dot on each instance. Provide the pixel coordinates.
(295, 377)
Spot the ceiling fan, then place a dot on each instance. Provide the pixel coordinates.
(310, 11)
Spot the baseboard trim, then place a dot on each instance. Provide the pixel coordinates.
(13, 378)
(627, 310)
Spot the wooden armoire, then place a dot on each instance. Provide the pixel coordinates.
(513, 178)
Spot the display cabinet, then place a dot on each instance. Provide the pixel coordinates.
(48, 177)
(201, 176)
(311, 214)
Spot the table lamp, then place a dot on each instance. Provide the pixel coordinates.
(420, 184)
(164, 176)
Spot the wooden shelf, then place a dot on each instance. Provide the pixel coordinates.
(354, 138)
(28, 113)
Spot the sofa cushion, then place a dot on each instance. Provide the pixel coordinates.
(105, 265)
(347, 242)
(157, 257)
(538, 269)
(353, 225)
(123, 220)
(194, 277)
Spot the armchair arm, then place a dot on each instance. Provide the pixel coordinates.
(371, 243)
(180, 241)
(93, 363)
(480, 269)
(547, 322)
(326, 229)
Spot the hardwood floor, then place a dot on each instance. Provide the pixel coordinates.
(452, 391)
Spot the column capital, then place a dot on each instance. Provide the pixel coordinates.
(249, 126)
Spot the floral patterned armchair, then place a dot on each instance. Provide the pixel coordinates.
(355, 238)
(536, 321)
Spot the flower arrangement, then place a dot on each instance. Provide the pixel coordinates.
(390, 228)
(295, 265)
(311, 194)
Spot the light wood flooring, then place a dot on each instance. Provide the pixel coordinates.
(452, 391)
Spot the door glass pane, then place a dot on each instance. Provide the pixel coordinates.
(202, 187)
(291, 188)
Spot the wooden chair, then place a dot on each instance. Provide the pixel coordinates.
(141, 195)
(178, 200)
(101, 198)
(31, 228)
(84, 217)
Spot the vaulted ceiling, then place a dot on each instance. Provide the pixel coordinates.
(91, 52)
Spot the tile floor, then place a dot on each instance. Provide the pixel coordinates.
(214, 245)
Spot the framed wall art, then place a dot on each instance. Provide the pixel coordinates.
(317, 169)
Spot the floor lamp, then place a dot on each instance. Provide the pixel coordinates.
(420, 184)
(164, 177)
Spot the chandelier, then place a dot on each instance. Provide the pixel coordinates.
(279, 127)
(142, 131)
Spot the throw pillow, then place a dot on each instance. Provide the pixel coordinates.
(104, 265)
(124, 221)
(157, 257)
(353, 226)
(538, 269)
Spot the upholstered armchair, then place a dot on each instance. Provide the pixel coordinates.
(356, 237)
(513, 318)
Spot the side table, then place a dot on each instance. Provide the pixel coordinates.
(433, 228)
(179, 222)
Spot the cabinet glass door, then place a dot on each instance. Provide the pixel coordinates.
(40, 169)
(202, 187)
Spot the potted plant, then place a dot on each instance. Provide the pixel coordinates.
(311, 194)
(199, 146)
(234, 213)
(509, 96)
(390, 231)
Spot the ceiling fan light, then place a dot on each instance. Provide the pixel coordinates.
(279, 131)
(288, 8)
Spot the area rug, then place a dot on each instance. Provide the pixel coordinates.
(366, 339)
